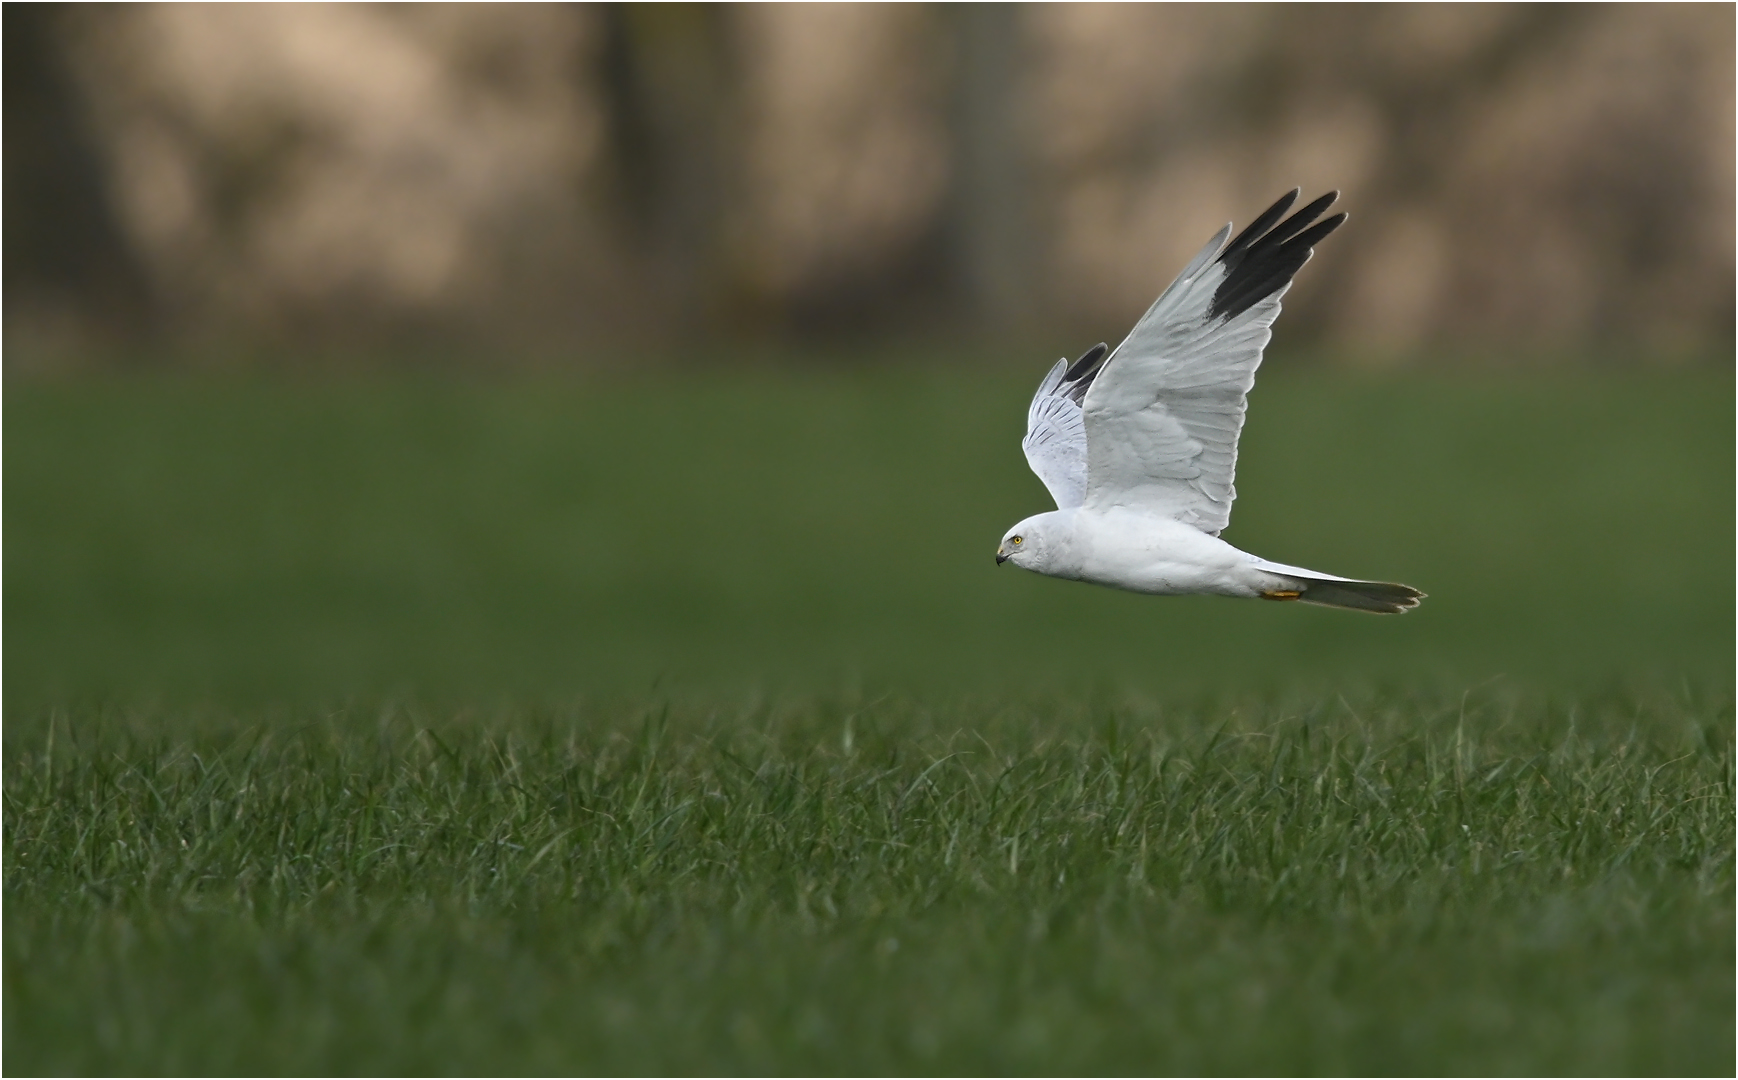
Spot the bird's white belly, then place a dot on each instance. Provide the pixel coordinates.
(1153, 554)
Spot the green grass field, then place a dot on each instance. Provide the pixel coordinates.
(685, 724)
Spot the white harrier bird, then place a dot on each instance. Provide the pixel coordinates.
(1139, 449)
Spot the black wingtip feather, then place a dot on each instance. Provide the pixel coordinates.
(1086, 362)
(1263, 257)
(1260, 225)
(1303, 217)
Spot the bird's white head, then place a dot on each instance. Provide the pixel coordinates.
(1034, 544)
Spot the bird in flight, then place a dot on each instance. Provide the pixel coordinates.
(1138, 447)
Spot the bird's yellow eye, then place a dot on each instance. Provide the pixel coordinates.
(1015, 541)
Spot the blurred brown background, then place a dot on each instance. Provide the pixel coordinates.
(572, 181)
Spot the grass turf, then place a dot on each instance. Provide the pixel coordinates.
(688, 726)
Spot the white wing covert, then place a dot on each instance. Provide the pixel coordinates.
(1055, 441)
(1163, 414)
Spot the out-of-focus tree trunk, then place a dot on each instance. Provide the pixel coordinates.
(665, 79)
(68, 266)
(991, 229)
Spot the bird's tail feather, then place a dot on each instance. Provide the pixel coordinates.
(1311, 587)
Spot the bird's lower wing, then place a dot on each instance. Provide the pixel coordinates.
(1055, 441)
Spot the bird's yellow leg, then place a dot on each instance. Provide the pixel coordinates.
(1281, 594)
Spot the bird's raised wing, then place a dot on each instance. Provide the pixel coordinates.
(1163, 416)
(1055, 441)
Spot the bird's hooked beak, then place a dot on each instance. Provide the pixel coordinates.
(1001, 556)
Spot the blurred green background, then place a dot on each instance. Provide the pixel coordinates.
(252, 540)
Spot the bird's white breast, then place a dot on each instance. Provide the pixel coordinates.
(1153, 553)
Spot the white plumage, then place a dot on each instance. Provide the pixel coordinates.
(1139, 449)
